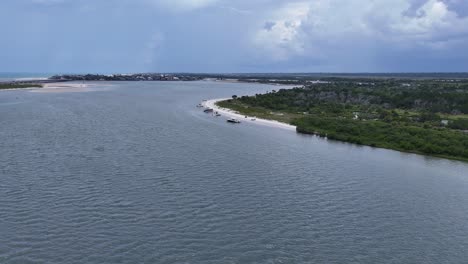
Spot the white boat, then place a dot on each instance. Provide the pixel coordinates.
(233, 120)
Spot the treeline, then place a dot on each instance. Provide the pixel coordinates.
(421, 116)
(404, 137)
(431, 96)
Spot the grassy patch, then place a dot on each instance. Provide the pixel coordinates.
(259, 112)
(6, 86)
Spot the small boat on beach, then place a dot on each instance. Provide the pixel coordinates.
(208, 110)
(217, 114)
(199, 105)
(233, 120)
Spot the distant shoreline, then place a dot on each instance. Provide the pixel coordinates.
(58, 87)
(26, 84)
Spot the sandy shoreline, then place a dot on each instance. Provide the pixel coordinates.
(63, 88)
(66, 87)
(17, 89)
(59, 87)
(232, 114)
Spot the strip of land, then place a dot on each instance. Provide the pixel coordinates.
(427, 117)
(213, 104)
(55, 87)
(63, 88)
(15, 86)
(28, 83)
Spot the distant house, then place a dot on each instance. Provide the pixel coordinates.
(444, 122)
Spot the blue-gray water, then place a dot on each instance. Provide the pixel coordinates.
(138, 174)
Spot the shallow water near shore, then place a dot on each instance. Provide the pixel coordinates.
(139, 174)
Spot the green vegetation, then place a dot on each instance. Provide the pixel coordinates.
(398, 136)
(17, 86)
(420, 116)
(258, 111)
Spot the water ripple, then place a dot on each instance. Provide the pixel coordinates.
(136, 174)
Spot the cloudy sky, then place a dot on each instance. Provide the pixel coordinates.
(110, 36)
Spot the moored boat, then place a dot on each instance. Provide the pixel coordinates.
(233, 120)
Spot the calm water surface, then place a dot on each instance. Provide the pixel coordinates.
(138, 174)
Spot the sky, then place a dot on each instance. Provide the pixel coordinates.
(229, 36)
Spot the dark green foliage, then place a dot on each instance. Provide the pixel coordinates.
(429, 96)
(403, 115)
(429, 117)
(461, 124)
(438, 142)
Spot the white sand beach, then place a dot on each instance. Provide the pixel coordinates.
(232, 114)
(59, 87)
(62, 88)
(65, 87)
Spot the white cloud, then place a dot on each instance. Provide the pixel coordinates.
(311, 27)
(48, 2)
(281, 35)
(236, 10)
(183, 5)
